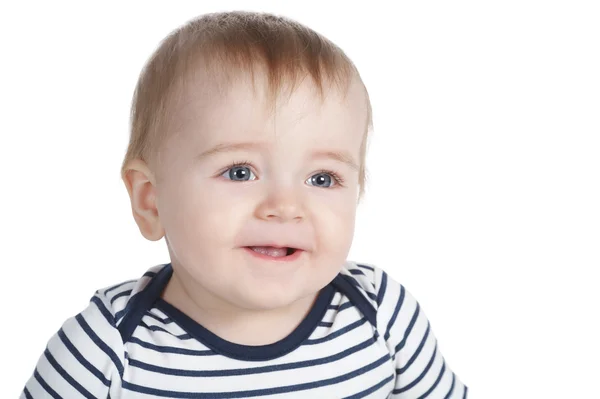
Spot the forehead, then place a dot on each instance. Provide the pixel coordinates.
(212, 111)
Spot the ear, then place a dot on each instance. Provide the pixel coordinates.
(140, 183)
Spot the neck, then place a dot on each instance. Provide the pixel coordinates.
(229, 322)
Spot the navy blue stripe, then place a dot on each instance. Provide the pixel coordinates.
(167, 320)
(159, 328)
(357, 272)
(118, 286)
(465, 394)
(408, 329)
(395, 314)
(382, 289)
(105, 312)
(77, 355)
(101, 344)
(451, 387)
(341, 307)
(120, 295)
(420, 377)
(366, 267)
(416, 354)
(120, 314)
(45, 385)
(325, 324)
(254, 370)
(355, 283)
(27, 394)
(66, 375)
(336, 334)
(149, 274)
(130, 303)
(347, 285)
(372, 389)
(435, 384)
(143, 300)
(258, 392)
(171, 349)
(371, 295)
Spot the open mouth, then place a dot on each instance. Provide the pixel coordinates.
(274, 252)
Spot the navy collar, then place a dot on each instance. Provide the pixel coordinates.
(230, 349)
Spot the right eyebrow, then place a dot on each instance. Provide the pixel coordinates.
(230, 147)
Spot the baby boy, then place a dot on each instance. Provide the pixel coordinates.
(247, 155)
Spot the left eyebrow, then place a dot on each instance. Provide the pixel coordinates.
(340, 156)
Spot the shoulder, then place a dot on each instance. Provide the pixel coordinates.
(406, 331)
(107, 306)
(87, 354)
(113, 300)
(96, 327)
(390, 299)
(373, 281)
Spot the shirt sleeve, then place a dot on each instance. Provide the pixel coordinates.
(83, 359)
(421, 370)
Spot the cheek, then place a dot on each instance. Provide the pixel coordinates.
(334, 224)
(197, 211)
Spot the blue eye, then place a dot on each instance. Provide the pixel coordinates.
(324, 180)
(239, 173)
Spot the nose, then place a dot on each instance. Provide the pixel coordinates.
(282, 205)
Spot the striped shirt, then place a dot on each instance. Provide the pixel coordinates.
(365, 337)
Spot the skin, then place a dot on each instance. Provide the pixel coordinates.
(187, 196)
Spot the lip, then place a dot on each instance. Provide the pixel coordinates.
(282, 259)
(276, 244)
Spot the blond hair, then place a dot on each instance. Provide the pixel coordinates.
(226, 44)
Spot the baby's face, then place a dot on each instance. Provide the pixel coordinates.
(234, 181)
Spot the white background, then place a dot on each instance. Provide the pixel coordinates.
(484, 192)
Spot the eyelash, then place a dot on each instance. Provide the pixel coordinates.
(234, 164)
(338, 179)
